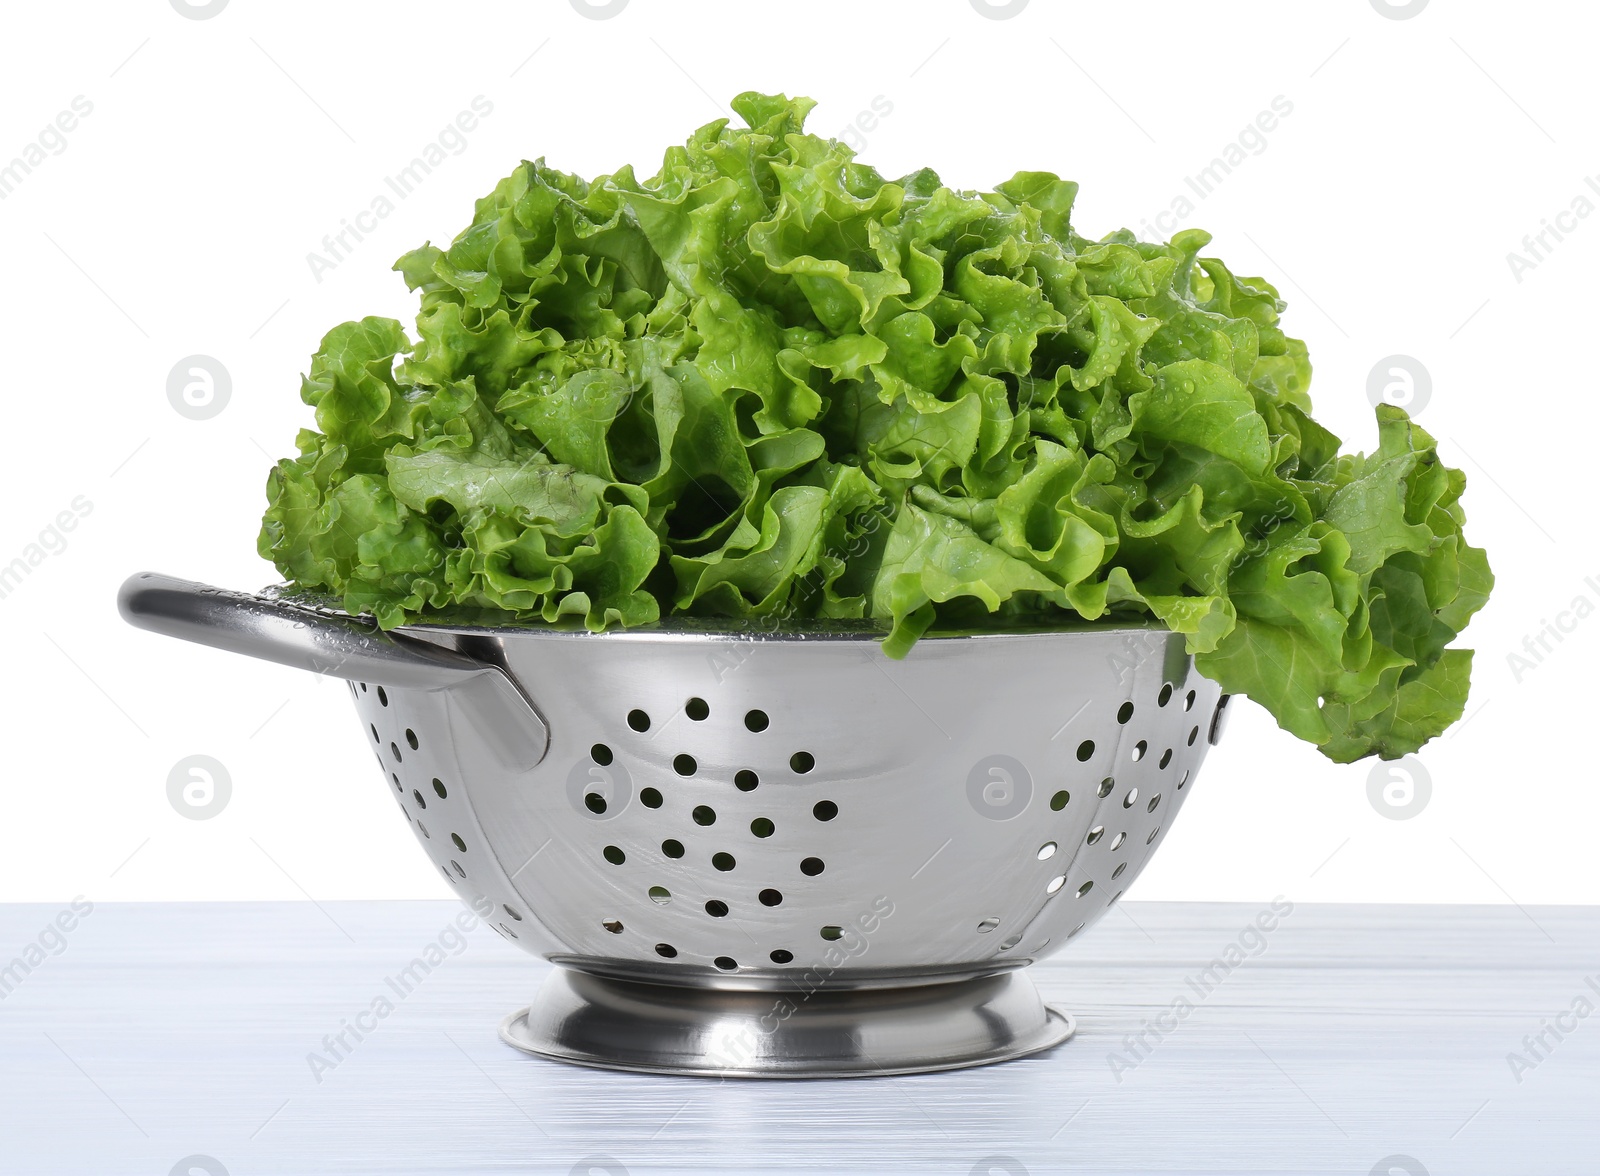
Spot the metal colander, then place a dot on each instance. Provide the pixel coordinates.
(762, 853)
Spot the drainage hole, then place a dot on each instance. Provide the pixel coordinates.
(640, 721)
(660, 895)
(726, 963)
(704, 814)
(696, 709)
(650, 798)
(1125, 712)
(514, 913)
(1085, 749)
(745, 780)
(595, 803)
(612, 926)
(802, 762)
(438, 787)
(460, 844)
(756, 720)
(1060, 799)
(762, 827)
(717, 909)
(831, 933)
(824, 810)
(770, 897)
(723, 861)
(811, 867)
(417, 796)
(614, 855)
(666, 950)
(684, 765)
(601, 754)
(672, 847)
(411, 738)
(781, 957)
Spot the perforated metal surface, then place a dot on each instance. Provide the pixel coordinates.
(733, 811)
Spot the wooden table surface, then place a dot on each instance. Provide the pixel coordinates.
(1349, 1039)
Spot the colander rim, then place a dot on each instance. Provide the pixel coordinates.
(688, 629)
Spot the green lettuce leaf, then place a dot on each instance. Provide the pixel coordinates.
(769, 382)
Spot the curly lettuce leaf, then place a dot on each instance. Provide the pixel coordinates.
(769, 382)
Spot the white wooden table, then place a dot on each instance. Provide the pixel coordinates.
(1356, 1035)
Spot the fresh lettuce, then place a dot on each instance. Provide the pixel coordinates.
(769, 384)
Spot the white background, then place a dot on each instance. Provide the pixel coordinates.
(178, 218)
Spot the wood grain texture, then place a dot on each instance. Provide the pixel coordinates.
(1347, 1034)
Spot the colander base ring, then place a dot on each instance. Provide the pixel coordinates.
(590, 1020)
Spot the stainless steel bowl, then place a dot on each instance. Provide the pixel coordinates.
(762, 853)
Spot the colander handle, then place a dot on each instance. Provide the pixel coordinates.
(343, 647)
